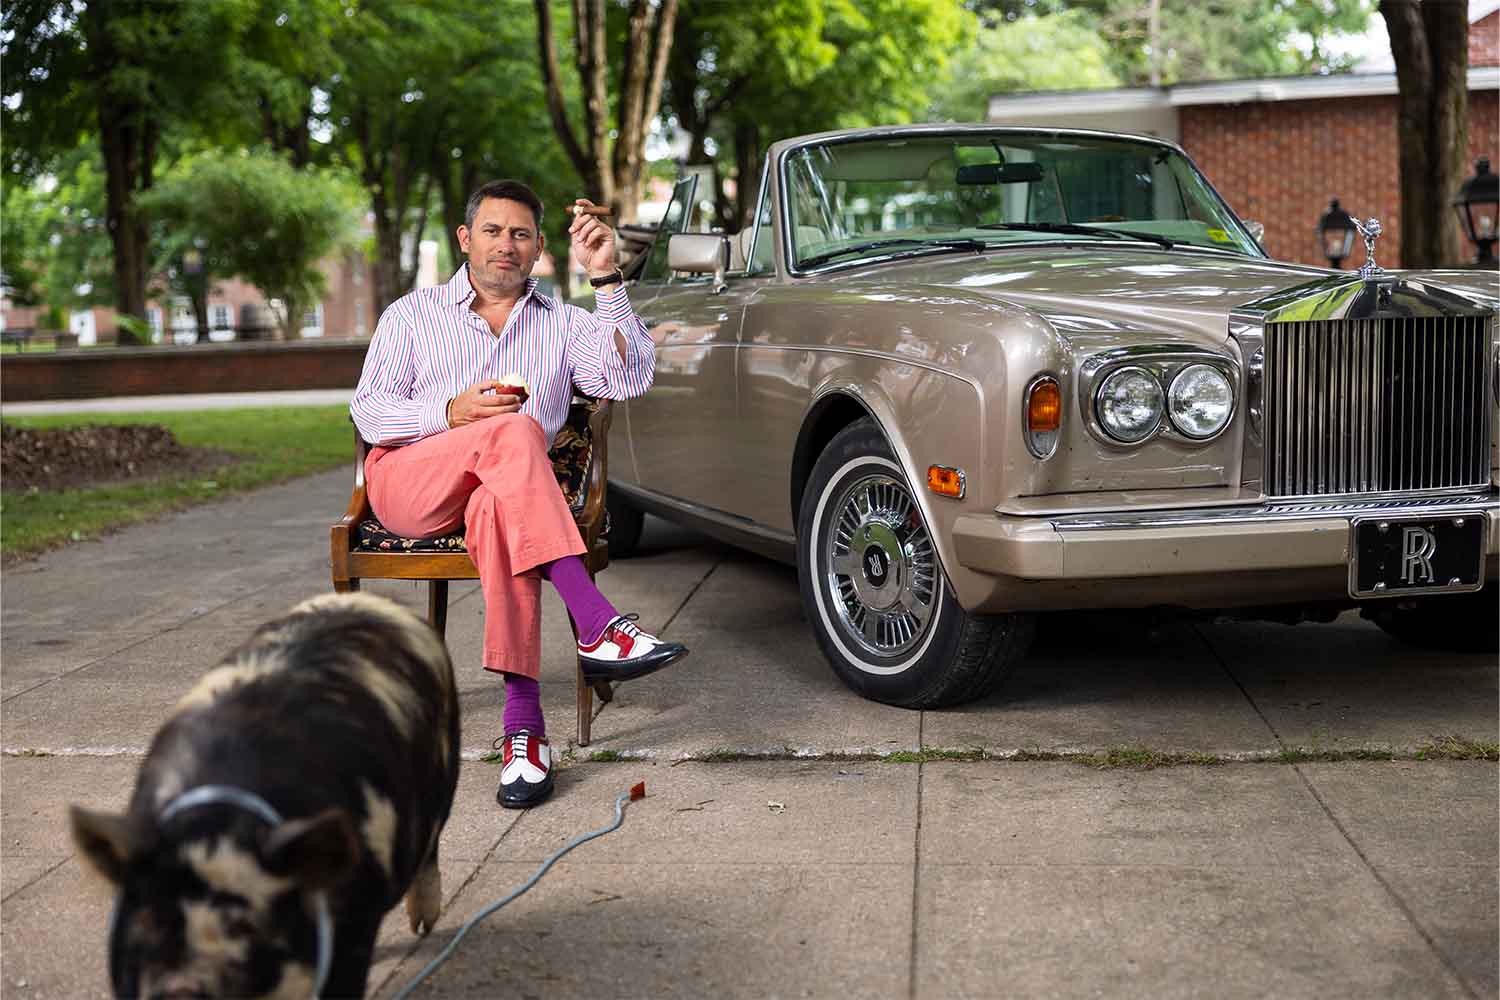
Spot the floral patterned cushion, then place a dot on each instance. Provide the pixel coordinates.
(572, 450)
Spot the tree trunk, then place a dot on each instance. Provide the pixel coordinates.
(556, 107)
(1429, 40)
(747, 159)
(386, 268)
(294, 139)
(387, 177)
(610, 178)
(198, 296)
(125, 140)
(291, 321)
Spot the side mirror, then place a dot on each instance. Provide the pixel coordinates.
(699, 253)
(1257, 232)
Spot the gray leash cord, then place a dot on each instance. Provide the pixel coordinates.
(629, 795)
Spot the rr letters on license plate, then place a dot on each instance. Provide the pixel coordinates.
(1391, 557)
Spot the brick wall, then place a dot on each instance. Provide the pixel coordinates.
(1279, 163)
(82, 374)
(1484, 41)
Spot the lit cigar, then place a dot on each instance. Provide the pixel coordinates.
(599, 211)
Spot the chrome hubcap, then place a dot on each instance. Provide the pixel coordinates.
(882, 571)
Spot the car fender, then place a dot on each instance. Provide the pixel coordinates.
(918, 439)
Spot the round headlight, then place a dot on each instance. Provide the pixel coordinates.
(1200, 401)
(1129, 404)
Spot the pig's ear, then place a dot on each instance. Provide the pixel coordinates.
(318, 852)
(104, 839)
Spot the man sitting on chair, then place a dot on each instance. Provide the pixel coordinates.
(454, 445)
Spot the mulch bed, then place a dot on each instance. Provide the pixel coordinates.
(94, 454)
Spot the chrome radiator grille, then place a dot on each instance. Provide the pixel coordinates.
(1358, 406)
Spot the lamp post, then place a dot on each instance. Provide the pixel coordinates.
(1478, 206)
(1335, 234)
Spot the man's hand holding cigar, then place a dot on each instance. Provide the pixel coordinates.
(593, 242)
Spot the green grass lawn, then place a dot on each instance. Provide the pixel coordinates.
(275, 444)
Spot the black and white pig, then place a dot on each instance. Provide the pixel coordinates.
(291, 799)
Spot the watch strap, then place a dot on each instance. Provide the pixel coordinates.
(608, 279)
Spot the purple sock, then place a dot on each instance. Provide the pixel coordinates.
(590, 611)
(523, 705)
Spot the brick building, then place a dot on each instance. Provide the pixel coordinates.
(1279, 149)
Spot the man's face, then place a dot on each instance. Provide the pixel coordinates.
(503, 246)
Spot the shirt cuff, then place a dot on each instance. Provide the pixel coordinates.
(612, 305)
(433, 417)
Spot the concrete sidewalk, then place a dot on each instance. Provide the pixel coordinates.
(853, 859)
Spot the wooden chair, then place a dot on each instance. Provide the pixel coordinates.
(362, 549)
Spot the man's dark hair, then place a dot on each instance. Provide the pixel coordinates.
(509, 190)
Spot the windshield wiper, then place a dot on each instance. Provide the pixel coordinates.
(1077, 230)
(911, 241)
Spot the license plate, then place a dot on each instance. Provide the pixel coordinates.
(1397, 556)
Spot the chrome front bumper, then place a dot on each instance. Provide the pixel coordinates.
(1120, 545)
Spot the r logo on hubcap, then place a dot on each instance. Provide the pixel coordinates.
(876, 566)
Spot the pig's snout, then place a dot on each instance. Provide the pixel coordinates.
(181, 989)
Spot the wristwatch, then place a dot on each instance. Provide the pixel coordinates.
(608, 279)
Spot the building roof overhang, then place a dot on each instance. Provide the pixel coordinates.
(1268, 89)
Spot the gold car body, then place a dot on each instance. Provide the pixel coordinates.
(755, 372)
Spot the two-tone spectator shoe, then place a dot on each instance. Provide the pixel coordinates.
(525, 770)
(623, 652)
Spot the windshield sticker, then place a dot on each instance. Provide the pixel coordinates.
(1218, 236)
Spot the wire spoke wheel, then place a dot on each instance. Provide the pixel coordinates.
(882, 570)
(873, 585)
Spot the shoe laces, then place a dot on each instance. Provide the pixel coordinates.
(517, 742)
(626, 624)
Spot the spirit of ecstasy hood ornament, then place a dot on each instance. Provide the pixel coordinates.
(1370, 230)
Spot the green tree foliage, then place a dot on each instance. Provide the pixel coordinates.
(1023, 54)
(56, 250)
(743, 75)
(283, 62)
(1205, 39)
(124, 72)
(429, 102)
(253, 215)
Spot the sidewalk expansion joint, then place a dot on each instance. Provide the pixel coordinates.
(1129, 757)
(1212, 651)
(448, 904)
(916, 875)
(684, 602)
(22, 888)
(1389, 889)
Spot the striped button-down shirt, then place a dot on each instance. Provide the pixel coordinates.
(430, 346)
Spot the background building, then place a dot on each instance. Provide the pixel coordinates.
(1279, 149)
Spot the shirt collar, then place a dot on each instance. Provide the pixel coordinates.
(460, 290)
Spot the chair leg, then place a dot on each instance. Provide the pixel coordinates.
(346, 586)
(585, 708)
(437, 606)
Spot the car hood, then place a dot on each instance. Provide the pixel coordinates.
(1104, 292)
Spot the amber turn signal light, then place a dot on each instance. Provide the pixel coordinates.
(945, 482)
(1044, 407)
(1043, 416)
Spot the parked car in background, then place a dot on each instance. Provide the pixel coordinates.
(960, 375)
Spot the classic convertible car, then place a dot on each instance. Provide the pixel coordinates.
(964, 374)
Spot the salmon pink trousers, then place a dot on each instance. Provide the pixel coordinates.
(494, 479)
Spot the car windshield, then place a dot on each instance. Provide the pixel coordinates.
(847, 201)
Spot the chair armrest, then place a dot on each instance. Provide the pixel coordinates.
(591, 518)
(341, 536)
(358, 510)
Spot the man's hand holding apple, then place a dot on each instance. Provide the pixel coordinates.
(489, 398)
